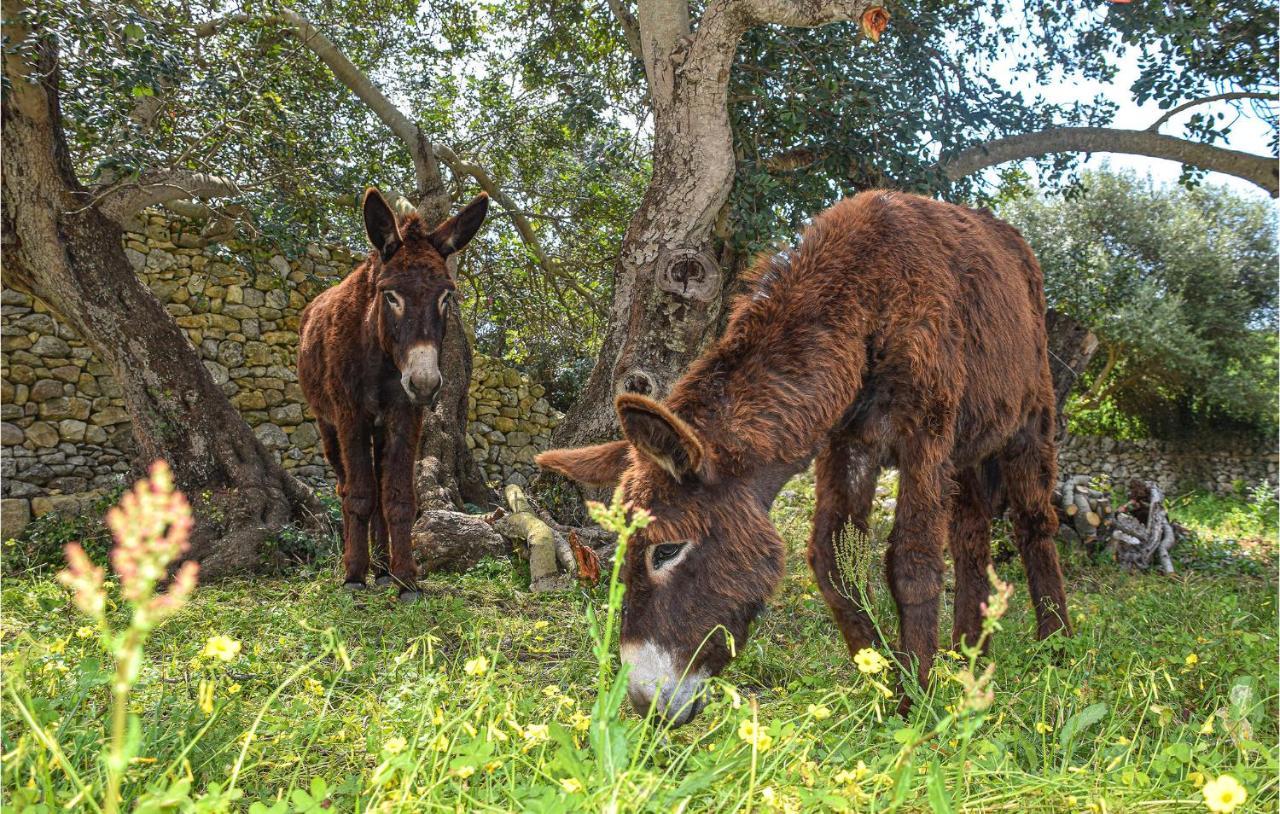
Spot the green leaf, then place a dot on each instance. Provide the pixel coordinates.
(936, 788)
(1079, 722)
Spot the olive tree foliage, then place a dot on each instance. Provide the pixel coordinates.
(1179, 285)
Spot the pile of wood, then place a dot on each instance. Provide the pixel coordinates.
(1139, 532)
(1084, 513)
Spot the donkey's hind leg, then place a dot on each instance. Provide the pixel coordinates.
(378, 521)
(846, 486)
(332, 452)
(971, 511)
(1028, 467)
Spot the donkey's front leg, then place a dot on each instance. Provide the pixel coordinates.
(399, 503)
(915, 559)
(357, 501)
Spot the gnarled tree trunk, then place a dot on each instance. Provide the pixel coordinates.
(59, 246)
(669, 284)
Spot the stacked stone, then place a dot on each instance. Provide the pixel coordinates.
(64, 431)
(509, 422)
(1173, 466)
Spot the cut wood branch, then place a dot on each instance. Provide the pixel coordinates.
(1221, 97)
(1256, 169)
(546, 549)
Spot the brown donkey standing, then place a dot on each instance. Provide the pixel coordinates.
(367, 362)
(902, 332)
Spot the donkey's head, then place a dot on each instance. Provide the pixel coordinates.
(415, 282)
(699, 573)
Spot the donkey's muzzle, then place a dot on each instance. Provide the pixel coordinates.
(420, 376)
(656, 683)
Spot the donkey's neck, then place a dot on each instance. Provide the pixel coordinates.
(790, 364)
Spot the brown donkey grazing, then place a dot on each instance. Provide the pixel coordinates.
(901, 332)
(368, 366)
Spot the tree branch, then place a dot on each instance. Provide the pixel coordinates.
(1256, 169)
(433, 200)
(802, 13)
(630, 27)
(430, 193)
(119, 201)
(1221, 97)
(550, 266)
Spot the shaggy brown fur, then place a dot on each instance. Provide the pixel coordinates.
(367, 363)
(901, 331)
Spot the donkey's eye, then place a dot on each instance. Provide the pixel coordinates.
(443, 305)
(666, 552)
(393, 300)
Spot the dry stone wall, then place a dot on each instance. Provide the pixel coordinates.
(1223, 469)
(64, 434)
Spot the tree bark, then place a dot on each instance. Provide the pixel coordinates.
(1256, 169)
(59, 246)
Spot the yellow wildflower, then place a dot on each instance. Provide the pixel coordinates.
(394, 746)
(571, 784)
(869, 661)
(312, 686)
(1197, 778)
(541, 624)
(535, 734)
(754, 734)
(463, 772)
(819, 712)
(234, 689)
(1207, 727)
(477, 666)
(579, 721)
(221, 647)
(845, 776)
(1223, 794)
(493, 765)
(440, 744)
(1192, 659)
(1043, 728)
(84, 631)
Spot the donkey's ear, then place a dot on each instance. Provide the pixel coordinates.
(660, 435)
(457, 231)
(380, 223)
(600, 465)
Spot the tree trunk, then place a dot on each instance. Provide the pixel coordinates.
(60, 247)
(447, 475)
(1071, 348)
(668, 283)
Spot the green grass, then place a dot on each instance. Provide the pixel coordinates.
(1112, 720)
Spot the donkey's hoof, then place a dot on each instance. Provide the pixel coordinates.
(352, 587)
(409, 596)
(383, 580)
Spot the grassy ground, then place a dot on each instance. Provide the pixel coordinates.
(480, 700)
